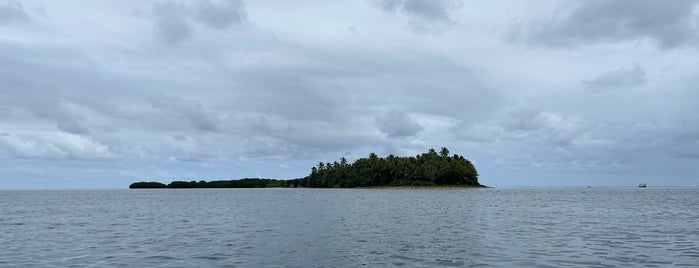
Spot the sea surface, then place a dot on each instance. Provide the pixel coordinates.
(496, 227)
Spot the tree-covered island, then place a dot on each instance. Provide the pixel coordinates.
(427, 169)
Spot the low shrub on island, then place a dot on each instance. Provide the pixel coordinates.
(242, 183)
(147, 185)
(427, 169)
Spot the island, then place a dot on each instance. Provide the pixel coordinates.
(423, 170)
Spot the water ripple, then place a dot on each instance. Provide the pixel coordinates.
(521, 227)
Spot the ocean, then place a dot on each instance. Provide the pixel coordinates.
(493, 227)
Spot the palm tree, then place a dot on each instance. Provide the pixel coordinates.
(444, 152)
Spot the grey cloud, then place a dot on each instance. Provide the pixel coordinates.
(614, 79)
(529, 124)
(176, 109)
(654, 140)
(12, 12)
(397, 124)
(328, 141)
(69, 116)
(73, 127)
(353, 30)
(174, 22)
(173, 29)
(221, 15)
(686, 155)
(522, 119)
(429, 9)
(37, 92)
(292, 146)
(683, 143)
(476, 133)
(171, 23)
(278, 137)
(669, 23)
(424, 15)
(193, 149)
(389, 5)
(180, 137)
(292, 95)
(525, 135)
(68, 119)
(270, 147)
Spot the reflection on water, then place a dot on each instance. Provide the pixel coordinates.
(541, 227)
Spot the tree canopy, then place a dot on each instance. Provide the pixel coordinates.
(425, 169)
(147, 185)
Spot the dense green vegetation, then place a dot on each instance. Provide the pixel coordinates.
(147, 185)
(243, 183)
(427, 169)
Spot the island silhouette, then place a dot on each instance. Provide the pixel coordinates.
(427, 169)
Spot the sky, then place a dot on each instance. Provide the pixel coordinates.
(99, 94)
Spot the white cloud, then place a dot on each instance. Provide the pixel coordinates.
(56, 145)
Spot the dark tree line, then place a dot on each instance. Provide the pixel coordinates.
(147, 185)
(242, 183)
(431, 168)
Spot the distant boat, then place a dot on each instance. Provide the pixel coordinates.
(642, 185)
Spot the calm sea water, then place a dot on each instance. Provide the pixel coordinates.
(501, 227)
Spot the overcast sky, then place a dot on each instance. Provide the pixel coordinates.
(98, 94)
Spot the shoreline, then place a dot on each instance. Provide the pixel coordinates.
(388, 187)
(423, 187)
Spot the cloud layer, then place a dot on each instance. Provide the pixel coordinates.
(596, 92)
